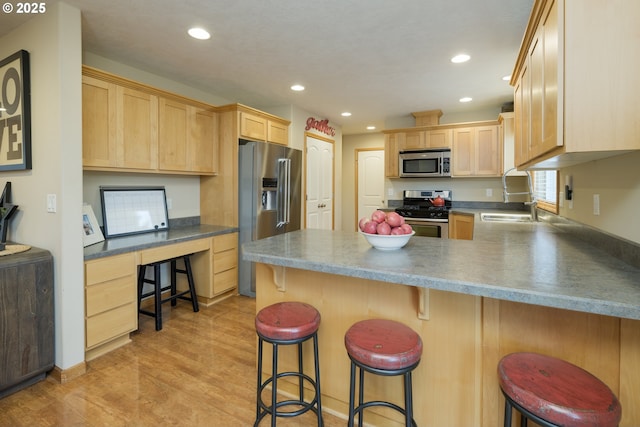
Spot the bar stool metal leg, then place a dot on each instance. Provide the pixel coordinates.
(408, 399)
(274, 385)
(259, 379)
(192, 285)
(172, 281)
(317, 383)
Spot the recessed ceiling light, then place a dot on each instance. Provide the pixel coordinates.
(371, 127)
(297, 88)
(346, 114)
(507, 78)
(463, 57)
(199, 33)
(466, 99)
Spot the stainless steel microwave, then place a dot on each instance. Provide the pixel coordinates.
(425, 163)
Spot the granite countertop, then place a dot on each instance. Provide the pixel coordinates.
(533, 263)
(135, 242)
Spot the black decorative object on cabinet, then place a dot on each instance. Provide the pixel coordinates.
(26, 319)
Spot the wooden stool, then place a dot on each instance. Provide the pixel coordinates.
(158, 289)
(553, 392)
(382, 347)
(288, 323)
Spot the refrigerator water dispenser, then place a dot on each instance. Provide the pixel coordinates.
(269, 194)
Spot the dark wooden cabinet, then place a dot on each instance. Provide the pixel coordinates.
(26, 319)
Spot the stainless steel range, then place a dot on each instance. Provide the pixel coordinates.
(427, 211)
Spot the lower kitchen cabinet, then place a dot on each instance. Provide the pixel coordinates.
(216, 271)
(461, 226)
(111, 308)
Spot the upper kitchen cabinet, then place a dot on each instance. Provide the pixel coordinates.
(391, 153)
(136, 129)
(112, 117)
(476, 151)
(438, 138)
(573, 83)
(132, 127)
(186, 140)
(98, 123)
(258, 126)
(507, 135)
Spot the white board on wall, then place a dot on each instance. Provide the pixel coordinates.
(131, 210)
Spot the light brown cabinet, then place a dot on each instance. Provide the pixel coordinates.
(438, 138)
(476, 151)
(136, 129)
(113, 118)
(461, 226)
(186, 140)
(129, 127)
(111, 309)
(259, 127)
(98, 123)
(216, 270)
(412, 140)
(391, 153)
(572, 82)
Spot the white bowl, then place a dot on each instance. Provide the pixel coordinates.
(389, 242)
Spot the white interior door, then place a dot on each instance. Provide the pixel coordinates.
(370, 189)
(319, 197)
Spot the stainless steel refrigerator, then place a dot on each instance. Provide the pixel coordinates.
(270, 203)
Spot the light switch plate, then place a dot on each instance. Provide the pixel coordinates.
(51, 203)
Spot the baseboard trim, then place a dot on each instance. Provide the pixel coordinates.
(65, 375)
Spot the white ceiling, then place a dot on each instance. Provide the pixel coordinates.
(378, 59)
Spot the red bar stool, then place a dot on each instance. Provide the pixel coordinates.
(382, 347)
(288, 323)
(553, 393)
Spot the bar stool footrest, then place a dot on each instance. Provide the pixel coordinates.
(358, 410)
(306, 406)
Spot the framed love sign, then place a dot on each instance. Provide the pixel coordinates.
(15, 112)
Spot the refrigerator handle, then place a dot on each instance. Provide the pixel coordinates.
(284, 208)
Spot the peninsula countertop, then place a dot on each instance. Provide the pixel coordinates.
(533, 263)
(135, 242)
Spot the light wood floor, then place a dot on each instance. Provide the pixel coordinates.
(198, 371)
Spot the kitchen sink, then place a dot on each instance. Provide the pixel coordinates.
(505, 217)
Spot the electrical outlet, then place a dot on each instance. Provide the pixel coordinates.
(390, 192)
(596, 204)
(489, 192)
(169, 204)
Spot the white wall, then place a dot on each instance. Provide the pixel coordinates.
(617, 181)
(183, 191)
(53, 41)
(138, 75)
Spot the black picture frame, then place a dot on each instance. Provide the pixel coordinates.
(133, 210)
(15, 112)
